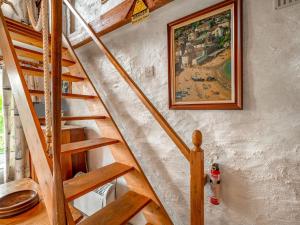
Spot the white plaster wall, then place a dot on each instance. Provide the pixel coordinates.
(94, 9)
(20, 8)
(258, 148)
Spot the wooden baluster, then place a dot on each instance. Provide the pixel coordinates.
(59, 217)
(197, 181)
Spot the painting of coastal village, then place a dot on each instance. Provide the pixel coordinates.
(202, 51)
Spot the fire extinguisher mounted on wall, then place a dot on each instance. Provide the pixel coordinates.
(215, 184)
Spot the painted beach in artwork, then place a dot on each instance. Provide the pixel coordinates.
(203, 66)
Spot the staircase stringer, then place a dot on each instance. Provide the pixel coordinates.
(136, 180)
(31, 126)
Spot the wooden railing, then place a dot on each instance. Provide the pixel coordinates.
(59, 206)
(194, 156)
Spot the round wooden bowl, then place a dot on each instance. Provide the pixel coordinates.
(17, 202)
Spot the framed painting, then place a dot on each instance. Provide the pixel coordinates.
(205, 58)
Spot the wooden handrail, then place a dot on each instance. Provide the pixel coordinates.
(156, 114)
(59, 204)
(31, 126)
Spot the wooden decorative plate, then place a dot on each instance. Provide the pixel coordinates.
(17, 202)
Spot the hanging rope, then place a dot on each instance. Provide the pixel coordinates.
(37, 25)
(42, 24)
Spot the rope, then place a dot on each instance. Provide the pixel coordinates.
(37, 25)
(42, 23)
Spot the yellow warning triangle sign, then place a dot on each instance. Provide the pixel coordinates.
(140, 12)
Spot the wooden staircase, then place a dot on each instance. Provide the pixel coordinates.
(56, 194)
(141, 196)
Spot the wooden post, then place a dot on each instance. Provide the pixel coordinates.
(59, 217)
(197, 180)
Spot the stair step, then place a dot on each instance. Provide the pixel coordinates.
(72, 118)
(40, 73)
(82, 146)
(25, 33)
(81, 185)
(64, 95)
(28, 53)
(120, 211)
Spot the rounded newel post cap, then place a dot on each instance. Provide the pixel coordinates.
(197, 138)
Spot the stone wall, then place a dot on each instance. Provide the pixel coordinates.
(20, 8)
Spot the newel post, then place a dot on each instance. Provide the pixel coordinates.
(59, 209)
(197, 180)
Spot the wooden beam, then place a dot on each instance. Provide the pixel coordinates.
(56, 62)
(112, 20)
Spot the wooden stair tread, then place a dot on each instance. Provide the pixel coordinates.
(28, 53)
(40, 73)
(70, 118)
(81, 146)
(120, 211)
(25, 33)
(64, 95)
(81, 185)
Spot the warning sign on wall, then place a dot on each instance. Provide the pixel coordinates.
(140, 12)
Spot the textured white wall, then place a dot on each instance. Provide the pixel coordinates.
(91, 9)
(20, 8)
(258, 148)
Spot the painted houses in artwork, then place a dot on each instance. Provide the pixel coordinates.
(199, 42)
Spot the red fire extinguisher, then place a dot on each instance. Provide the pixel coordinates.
(215, 184)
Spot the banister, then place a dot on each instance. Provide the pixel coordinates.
(156, 114)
